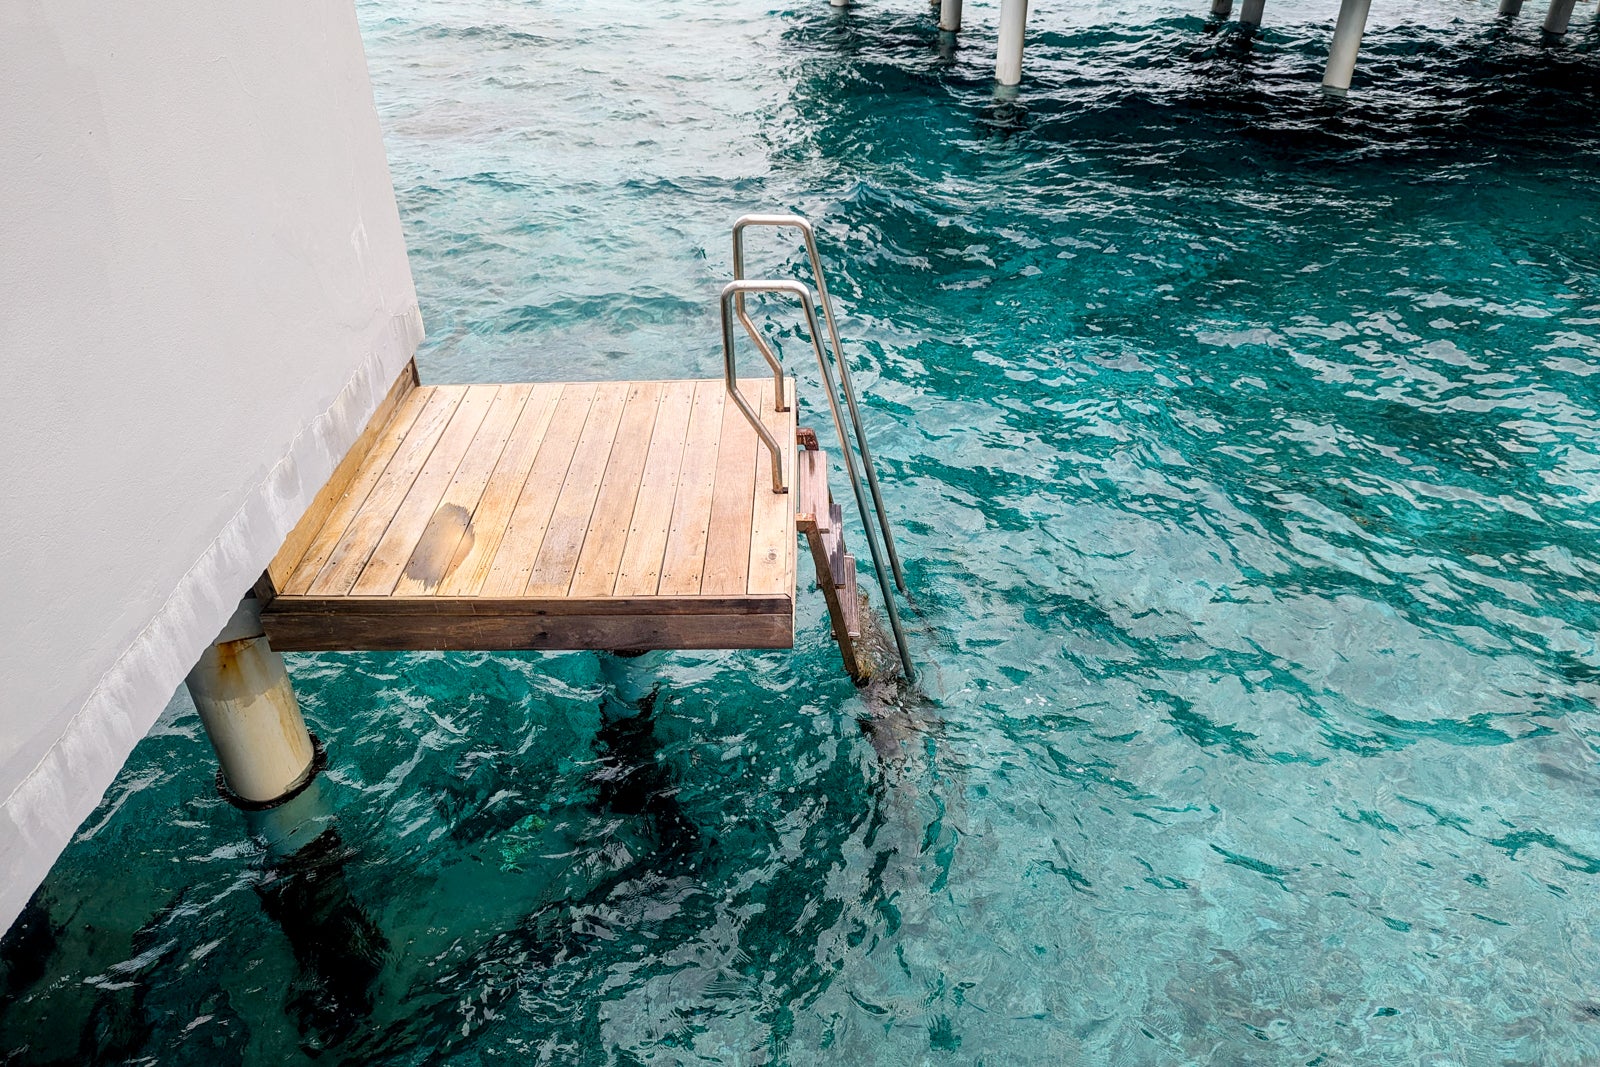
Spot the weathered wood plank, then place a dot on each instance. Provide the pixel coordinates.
(368, 471)
(484, 605)
(451, 532)
(811, 482)
(685, 555)
(513, 561)
(411, 516)
(493, 513)
(772, 520)
(569, 521)
(607, 533)
(341, 481)
(359, 538)
(727, 567)
(639, 572)
(292, 631)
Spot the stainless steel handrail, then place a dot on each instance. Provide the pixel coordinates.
(733, 301)
(730, 369)
(800, 223)
(731, 293)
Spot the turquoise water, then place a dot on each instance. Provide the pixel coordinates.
(1245, 451)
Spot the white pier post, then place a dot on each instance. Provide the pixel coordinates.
(1250, 12)
(1346, 44)
(1008, 61)
(1510, 7)
(1221, 8)
(242, 691)
(950, 16)
(1559, 15)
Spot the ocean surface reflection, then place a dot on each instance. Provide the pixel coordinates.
(1245, 450)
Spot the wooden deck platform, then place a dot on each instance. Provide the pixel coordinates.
(599, 515)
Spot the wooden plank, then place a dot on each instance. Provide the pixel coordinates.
(414, 510)
(291, 631)
(640, 569)
(850, 598)
(356, 541)
(342, 510)
(493, 513)
(451, 532)
(601, 555)
(811, 483)
(685, 555)
(340, 482)
(514, 559)
(772, 517)
(569, 521)
(727, 568)
(484, 605)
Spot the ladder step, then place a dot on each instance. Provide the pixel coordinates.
(811, 506)
(849, 599)
(833, 544)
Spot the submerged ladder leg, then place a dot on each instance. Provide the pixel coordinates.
(822, 521)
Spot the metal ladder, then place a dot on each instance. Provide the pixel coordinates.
(733, 305)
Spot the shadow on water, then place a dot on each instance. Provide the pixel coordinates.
(339, 949)
(630, 780)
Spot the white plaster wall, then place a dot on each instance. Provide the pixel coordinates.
(203, 294)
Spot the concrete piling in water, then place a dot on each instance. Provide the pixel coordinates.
(250, 714)
(1510, 7)
(1558, 17)
(1250, 13)
(1008, 60)
(1346, 45)
(1221, 8)
(950, 16)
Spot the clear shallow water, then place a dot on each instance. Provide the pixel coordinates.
(1246, 455)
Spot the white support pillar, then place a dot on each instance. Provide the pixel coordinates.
(1346, 44)
(1008, 61)
(1510, 7)
(242, 691)
(1221, 8)
(1559, 15)
(1250, 12)
(950, 16)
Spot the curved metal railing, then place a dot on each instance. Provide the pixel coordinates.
(733, 306)
(797, 222)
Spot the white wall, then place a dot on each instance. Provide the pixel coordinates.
(203, 294)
